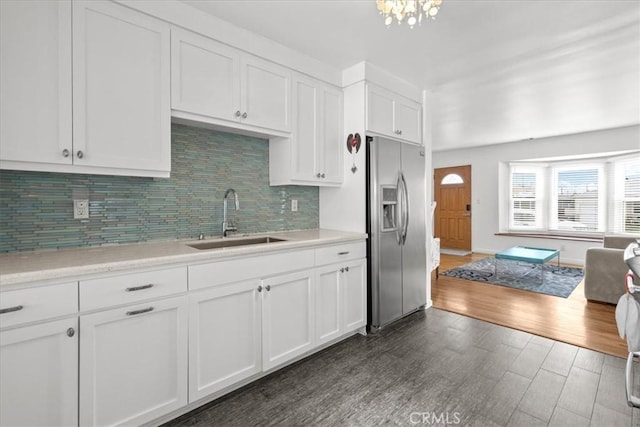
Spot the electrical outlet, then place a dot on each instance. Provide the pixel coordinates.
(80, 209)
(294, 205)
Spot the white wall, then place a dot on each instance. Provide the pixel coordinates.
(485, 162)
(344, 208)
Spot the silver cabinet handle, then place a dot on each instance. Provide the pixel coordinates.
(143, 310)
(65, 153)
(11, 309)
(138, 288)
(399, 132)
(343, 253)
(244, 115)
(79, 154)
(318, 175)
(322, 175)
(342, 270)
(346, 269)
(260, 288)
(71, 332)
(268, 288)
(238, 113)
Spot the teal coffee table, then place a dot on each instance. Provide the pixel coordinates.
(530, 255)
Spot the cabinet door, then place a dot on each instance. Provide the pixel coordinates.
(133, 362)
(39, 371)
(266, 94)
(380, 111)
(287, 317)
(205, 76)
(224, 337)
(355, 295)
(35, 81)
(408, 119)
(121, 86)
(304, 145)
(328, 303)
(331, 145)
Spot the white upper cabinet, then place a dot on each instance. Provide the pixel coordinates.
(35, 82)
(393, 115)
(121, 88)
(224, 86)
(113, 117)
(313, 154)
(266, 92)
(205, 76)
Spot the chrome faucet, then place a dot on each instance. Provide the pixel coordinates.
(228, 225)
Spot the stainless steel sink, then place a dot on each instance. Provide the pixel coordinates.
(226, 243)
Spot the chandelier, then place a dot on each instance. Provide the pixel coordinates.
(410, 10)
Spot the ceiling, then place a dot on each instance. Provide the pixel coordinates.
(499, 70)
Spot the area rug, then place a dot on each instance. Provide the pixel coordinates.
(558, 281)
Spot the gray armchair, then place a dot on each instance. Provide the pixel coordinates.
(604, 270)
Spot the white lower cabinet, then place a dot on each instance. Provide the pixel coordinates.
(39, 374)
(340, 299)
(354, 289)
(329, 303)
(224, 337)
(288, 314)
(133, 362)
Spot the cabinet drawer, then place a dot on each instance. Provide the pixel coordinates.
(343, 252)
(130, 288)
(259, 266)
(30, 305)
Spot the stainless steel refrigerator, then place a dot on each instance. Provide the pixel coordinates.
(396, 224)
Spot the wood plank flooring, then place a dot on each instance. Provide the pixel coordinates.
(434, 368)
(573, 320)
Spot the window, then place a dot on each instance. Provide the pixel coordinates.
(575, 197)
(626, 201)
(452, 178)
(526, 197)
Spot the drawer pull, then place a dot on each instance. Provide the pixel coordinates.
(143, 310)
(11, 309)
(343, 253)
(139, 288)
(71, 332)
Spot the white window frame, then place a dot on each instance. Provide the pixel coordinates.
(538, 170)
(611, 215)
(552, 223)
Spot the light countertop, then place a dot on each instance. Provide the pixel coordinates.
(26, 267)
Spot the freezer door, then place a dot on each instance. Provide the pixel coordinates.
(386, 254)
(414, 252)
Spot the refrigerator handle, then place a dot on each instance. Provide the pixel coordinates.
(405, 208)
(399, 213)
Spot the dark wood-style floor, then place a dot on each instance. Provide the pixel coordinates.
(573, 320)
(434, 368)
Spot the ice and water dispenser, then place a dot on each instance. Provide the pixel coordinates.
(389, 208)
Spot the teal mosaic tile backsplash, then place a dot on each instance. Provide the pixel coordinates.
(36, 208)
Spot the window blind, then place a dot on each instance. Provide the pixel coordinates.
(626, 195)
(577, 198)
(525, 198)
